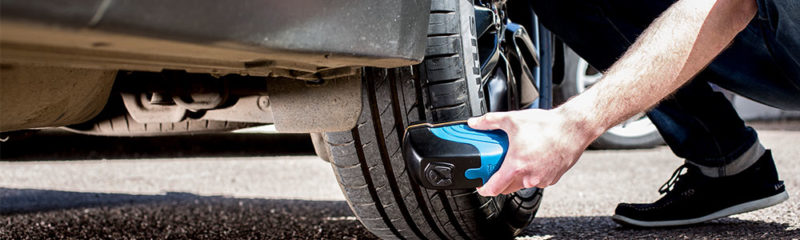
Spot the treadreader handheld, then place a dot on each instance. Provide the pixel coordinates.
(453, 155)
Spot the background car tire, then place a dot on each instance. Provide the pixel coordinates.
(635, 133)
(368, 160)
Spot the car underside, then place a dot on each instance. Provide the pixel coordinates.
(177, 62)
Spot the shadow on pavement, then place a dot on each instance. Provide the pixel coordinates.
(45, 214)
(59, 145)
(602, 227)
(60, 214)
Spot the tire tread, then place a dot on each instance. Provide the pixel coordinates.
(388, 202)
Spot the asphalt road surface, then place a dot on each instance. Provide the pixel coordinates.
(56, 185)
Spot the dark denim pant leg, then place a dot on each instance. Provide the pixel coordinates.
(701, 126)
(697, 123)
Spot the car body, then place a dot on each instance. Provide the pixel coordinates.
(76, 50)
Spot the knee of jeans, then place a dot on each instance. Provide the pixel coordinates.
(780, 23)
(777, 11)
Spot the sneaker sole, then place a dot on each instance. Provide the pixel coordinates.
(736, 209)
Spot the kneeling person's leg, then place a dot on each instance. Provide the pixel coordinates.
(729, 171)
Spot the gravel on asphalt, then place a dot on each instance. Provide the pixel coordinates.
(196, 187)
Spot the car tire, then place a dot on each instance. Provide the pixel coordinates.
(638, 132)
(368, 161)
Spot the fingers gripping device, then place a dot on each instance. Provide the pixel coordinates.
(453, 155)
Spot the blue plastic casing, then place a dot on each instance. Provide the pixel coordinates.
(492, 146)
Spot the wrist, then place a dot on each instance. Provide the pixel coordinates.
(582, 118)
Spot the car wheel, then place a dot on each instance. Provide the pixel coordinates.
(368, 161)
(636, 132)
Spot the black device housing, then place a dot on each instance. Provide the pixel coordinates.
(437, 163)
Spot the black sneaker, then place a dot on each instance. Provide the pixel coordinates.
(693, 198)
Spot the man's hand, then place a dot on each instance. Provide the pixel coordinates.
(543, 145)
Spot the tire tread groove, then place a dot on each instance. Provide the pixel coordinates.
(368, 178)
(415, 188)
(387, 164)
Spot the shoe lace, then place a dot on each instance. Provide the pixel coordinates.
(670, 184)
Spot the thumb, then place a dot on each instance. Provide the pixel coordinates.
(488, 121)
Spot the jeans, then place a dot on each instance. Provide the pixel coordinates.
(698, 124)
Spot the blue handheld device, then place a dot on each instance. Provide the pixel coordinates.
(453, 155)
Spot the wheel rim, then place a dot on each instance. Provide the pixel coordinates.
(637, 126)
(506, 55)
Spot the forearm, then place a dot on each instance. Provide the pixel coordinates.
(677, 45)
